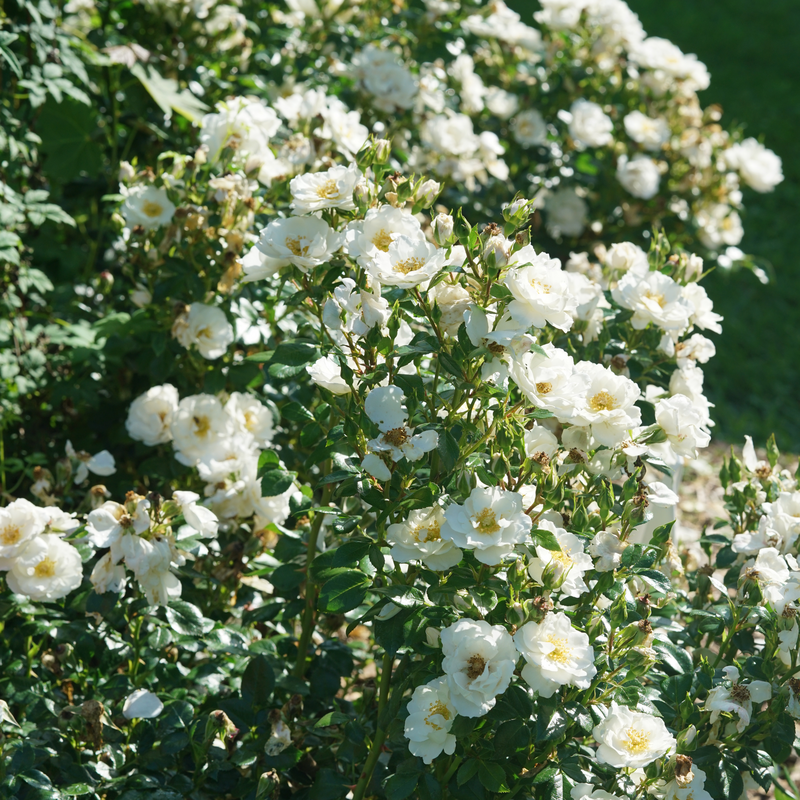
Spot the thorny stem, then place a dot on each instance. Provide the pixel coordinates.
(311, 590)
(380, 731)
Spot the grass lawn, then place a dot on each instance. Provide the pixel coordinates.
(751, 50)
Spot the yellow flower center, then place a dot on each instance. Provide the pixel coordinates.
(603, 401)
(656, 297)
(427, 533)
(382, 239)
(296, 248)
(11, 534)
(152, 209)
(475, 666)
(486, 522)
(409, 265)
(202, 425)
(545, 387)
(328, 190)
(437, 708)
(562, 557)
(541, 288)
(46, 568)
(561, 652)
(638, 742)
(396, 437)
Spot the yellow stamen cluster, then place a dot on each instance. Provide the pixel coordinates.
(151, 209)
(486, 522)
(603, 401)
(328, 190)
(46, 568)
(11, 534)
(382, 239)
(409, 265)
(638, 742)
(561, 652)
(437, 708)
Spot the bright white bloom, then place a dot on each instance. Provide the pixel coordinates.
(376, 467)
(46, 569)
(479, 661)
(565, 213)
(200, 428)
(407, 262)
(384, 406)
(654, 298)
(419, 539)
(737, 698)
(108, 575)
(683, 424)
(304, 242)
(549, 381)
(252, 417)
(670, 64)
(386, 77)
(327, 373)
(539, 439)
(379, 228)
(107, 523)
(759, 166)
(556, 654)
(606, 548)
(703, 315)
(585, 791)
(631, 739)
(627, 257)
(207, 327)
(490, 522)
(243, 124)
(150, 561)
(696, 348)
(101, 463)
(589, 125)
(569, 563)
(504, 24)
(314, 191)
(454, 301)
(651, 133)
(693, 790)
(719, 225)
(501, 103)
(607, 404)
(150, 415)
(142, 704)
(354, 311)
(529, 128)
(430, 717)
(148, 206)
(639, 176)
(202, 519)
(20, 522)
(541, 289)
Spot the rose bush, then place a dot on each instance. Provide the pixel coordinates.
(389, 396)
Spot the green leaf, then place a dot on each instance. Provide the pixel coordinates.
(187, 619)
(332, 718)
(546, 539)
(168, 94)
(295, 412)
(66, 129)
(773, 454)
(344, 591)
(76, 789)
(674, 657)
(658, 580)
(401, 785)
(448, 450)
(467, 771)
(294, 354)
(275, 482)
(492, 776)
(258, 681)
(510, 737)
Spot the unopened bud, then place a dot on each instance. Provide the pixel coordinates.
(383, 149)
(443, 229)
(427, 192)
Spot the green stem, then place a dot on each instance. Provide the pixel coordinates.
(309, 619)
(380, 731)
(451, 771)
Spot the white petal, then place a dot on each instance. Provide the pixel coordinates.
(376, 467)
(142, 705)
(102, 463)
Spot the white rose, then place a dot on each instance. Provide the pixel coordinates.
(314, 191)
(207, 328)
(150, 415)
(379, 228)
(148, 206)
(556, 655)
(631, 739)
(479, 661)
(407, 263)
(569, 563)
(760, 167)
(430, 717)
(46, 569)
(654, 298)
(20, 522)
(200, 428)
(529, 128)
(640, 176)
(653, 134)
(590, 126)
(490, 522)
(565, 213)
(419, 539)
(303, 241)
